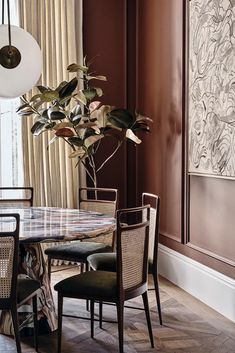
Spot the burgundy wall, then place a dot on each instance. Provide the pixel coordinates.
(104, 30)
(160, 97)
(141, 47)
(161, 157)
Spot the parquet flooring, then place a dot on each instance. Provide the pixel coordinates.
(189, 327)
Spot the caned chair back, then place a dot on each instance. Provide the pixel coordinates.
(154, 202)
(132, 248)
(9, 243)
(16, 196)
(101, 200)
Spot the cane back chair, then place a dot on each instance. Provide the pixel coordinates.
(16, 196)
(129, 281)
(107, 261)
(14, 292)
(101, 200)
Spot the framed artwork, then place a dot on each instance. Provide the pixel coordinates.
(211, 88)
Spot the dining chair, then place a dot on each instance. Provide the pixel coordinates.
(107, 261)
(101, 200)
(16, 196)
(129, 281)
(14, 292)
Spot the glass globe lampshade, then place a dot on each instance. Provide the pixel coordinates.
(20, 79)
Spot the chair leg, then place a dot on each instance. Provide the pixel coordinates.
(101, 314)
(157, 293)
(92, 305)
(120, 311)
(14, 315)
(147, 313)
(60, 311)
(35, 321)
(86, 265)
(49, 268)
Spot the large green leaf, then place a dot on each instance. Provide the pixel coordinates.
(75, 140)
(89, 132)
(140, 127)
(55, 113)
(90, 93)
(89, 141)
(49, 96)
(76, 67)
(37, 128)
(44, 114)
(43, 89)
(76, 119)
(121, 118)
(68, 89)
(76, 110)
(36, 97)
(23, 106)
(65, 101)
(25, 111)
(61, 85)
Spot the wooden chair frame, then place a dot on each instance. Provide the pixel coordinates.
(83, 190)
(123, 294)
(154, 201)
(14, 200)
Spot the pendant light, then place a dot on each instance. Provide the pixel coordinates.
(20, 59)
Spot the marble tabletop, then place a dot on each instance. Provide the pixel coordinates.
(39, 224)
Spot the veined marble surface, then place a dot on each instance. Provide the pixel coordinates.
(38, 224)
(47, 223)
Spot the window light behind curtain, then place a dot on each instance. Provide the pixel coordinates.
(11, 160)
(57, 27)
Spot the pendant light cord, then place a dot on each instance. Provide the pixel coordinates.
(3, 5)
(9, 20)
(9, 25)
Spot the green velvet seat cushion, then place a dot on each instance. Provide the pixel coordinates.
(25, 287)
(107, 262)
(103, 262)
(94, 284)
(76, 251)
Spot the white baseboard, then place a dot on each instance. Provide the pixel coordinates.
(211, 287)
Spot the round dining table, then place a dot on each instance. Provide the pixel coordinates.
(39, 225)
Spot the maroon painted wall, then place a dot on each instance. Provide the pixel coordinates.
(141, 46)
(104, 30)
(160, 97)
(161, 158)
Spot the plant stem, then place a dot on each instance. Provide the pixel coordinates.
(107, 159)
(87, 171)
(92, 165)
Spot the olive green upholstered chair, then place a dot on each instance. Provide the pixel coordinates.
(14, 292)
(129, 281)
(101, 200)
(107, 262)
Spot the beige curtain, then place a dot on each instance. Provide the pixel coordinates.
(57, 27)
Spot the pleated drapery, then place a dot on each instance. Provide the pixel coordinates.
(57, 27)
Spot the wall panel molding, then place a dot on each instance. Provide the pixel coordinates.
(211, 254)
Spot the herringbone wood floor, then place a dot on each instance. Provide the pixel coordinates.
(189, 327)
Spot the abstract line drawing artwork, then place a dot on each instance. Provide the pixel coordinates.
(211, 88)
